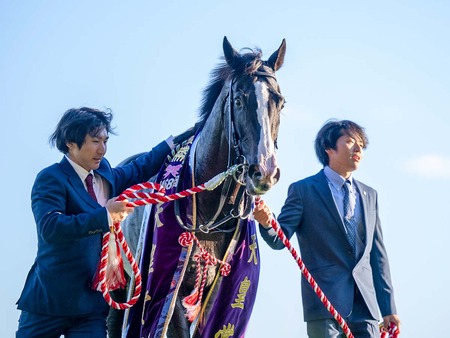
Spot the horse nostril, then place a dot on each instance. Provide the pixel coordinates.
(265, 186)
(253, 172)
(277, 175)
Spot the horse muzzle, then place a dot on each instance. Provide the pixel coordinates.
(260, 181)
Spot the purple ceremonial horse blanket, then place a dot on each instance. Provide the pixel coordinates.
(226, 309)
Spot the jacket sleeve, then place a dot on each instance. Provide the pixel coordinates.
(140, 169)
(381, 271)
(289, 218)
(51, 200)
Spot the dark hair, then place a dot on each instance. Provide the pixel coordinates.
(75, 124)
(329, 133)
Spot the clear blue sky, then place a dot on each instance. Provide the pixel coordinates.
(383, 64)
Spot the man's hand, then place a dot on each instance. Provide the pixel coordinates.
(186, 134)
(118, 210)
(391, 319)
(262, 214)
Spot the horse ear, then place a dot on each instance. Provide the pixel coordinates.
(229, 52)
(277, 58)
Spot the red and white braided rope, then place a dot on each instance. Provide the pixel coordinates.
(309, 278)
(104, 263)
(143, 198)
(193, 302)
(393, 330)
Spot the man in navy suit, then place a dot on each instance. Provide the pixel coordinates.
(335, 219)
(58, 298)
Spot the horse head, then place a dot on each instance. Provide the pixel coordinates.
(254, 104)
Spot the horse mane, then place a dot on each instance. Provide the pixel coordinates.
(244, 64)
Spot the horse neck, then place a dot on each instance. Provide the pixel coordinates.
(212, 151)
(211, 156)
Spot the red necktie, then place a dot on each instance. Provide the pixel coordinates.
(90, 186)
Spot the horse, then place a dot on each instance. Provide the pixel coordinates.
(186, 290)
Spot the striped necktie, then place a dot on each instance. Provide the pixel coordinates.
(349, 219)
(90, 186)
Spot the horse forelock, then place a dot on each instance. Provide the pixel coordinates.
(248, 63)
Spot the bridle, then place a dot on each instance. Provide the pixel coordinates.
(239, 198)
(233, 136)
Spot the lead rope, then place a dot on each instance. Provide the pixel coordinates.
(116, 234)
(391, 333)
(393, 330)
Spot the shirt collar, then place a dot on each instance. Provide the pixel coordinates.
(81, 172)
(335, 179)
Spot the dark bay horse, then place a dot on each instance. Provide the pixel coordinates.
(186, 291)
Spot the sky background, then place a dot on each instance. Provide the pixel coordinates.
(382, 64)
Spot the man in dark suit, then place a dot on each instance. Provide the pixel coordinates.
(71, 215)
(335, 219)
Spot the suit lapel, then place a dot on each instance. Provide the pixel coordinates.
(364, 204)
(325, 194)
(76, 182)
(105, 172)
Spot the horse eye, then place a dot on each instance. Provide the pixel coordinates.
(238, 102)
(276, 144)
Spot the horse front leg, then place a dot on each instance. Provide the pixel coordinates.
(179, 326)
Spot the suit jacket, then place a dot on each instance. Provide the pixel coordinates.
(311, 213)
(70, 225)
